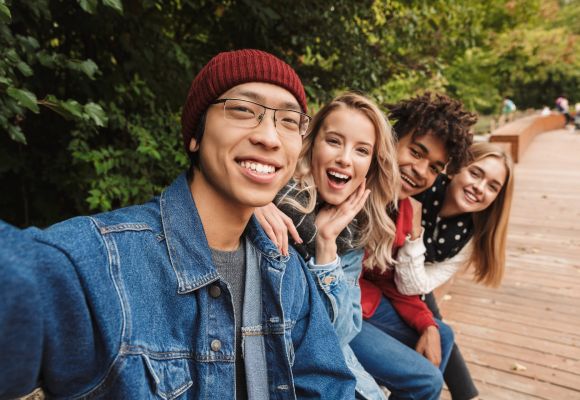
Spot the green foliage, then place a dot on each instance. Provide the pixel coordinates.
(24, 98)
(90, 6)
(5, 14)
(91, 90)
(472, 78)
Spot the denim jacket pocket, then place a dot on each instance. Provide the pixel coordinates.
(171, 377)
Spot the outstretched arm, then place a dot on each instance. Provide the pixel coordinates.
(21, 326)
(47, 320)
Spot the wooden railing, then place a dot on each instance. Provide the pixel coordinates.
(517, 135)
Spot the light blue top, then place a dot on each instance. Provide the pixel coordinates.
(338, 286)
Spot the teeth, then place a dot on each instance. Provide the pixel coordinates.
(409, 181)
(471, 197)
(257, 167)
(338, 175)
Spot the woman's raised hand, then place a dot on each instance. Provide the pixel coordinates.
(417, 215)
(276, 224)
(331, 220)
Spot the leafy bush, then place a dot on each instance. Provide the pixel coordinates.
(91, 90)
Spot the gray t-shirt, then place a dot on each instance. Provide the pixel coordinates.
(231, 265)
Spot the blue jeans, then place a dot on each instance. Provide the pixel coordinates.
(386, 349)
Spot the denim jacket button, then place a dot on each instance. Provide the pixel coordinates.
(216, 345)
(215, 291)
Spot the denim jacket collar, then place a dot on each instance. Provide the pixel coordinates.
(187, 244)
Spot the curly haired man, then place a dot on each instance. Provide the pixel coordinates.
(401, 343)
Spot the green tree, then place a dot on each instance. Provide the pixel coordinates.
(91, 90)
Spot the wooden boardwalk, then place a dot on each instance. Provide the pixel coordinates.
(522, 341)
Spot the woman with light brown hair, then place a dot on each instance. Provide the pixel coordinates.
(464, 219)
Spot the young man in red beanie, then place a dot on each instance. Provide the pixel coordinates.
(182, 297)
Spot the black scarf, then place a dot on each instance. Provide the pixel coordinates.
(305, 223)
(444, 237)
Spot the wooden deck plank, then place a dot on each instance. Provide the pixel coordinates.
(528, 311)
(520, 339)
(533, 319)
(491, 392)
(508, 363)
(532, 388)
(499, 314)
(526, 356)
(535, 299)
(535, 332)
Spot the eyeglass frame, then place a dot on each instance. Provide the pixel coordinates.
(260, 117)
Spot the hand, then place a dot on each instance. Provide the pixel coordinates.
(429, 345)
(417, 215)
(331, 220)
(276, 224)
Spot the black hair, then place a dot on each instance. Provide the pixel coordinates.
(440, 115)
(197, 135)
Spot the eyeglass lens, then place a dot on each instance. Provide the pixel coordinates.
(248, 114)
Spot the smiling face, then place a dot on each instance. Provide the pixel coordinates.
(342, 154)
(475, 187)
(246, 167)
(420, 160)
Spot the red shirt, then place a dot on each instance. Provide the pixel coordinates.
(374, 284)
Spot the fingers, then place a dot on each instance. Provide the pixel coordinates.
(436, 360)
(426, 352)
(416, 205)
(292, 229)
(281, 224)
(432, 356)
(279, 229)
(266, 226)
(356, 200)
(429, 345)
(359, 192)
(417, 216)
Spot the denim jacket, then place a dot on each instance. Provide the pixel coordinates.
(338, 287)
(128, 305)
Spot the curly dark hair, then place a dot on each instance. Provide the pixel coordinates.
(439, 115)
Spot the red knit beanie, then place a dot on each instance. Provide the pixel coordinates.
(230, 69)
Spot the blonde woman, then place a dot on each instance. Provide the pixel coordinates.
(465, 221)
(346, 179)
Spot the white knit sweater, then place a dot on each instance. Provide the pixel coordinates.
(414, 276)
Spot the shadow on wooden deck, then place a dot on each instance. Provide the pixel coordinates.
(522, 341)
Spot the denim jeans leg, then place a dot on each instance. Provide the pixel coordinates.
(456, 375)
(388, 320)
(406, 373)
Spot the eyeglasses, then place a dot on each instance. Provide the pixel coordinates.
(248, 114)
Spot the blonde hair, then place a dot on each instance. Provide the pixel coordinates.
(376, 228)
(490, 225)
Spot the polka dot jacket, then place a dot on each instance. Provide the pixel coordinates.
(443, 237)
